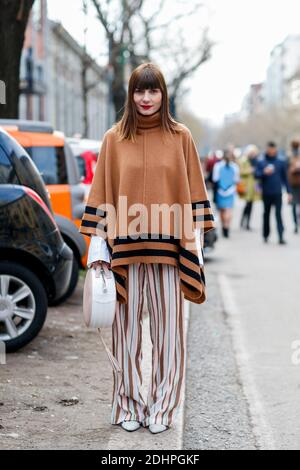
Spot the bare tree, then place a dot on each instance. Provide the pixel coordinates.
(278, 124)
(117, 34)
(13, 21)
(193, 122)
(137, 36)
(86, 63)
(173, 47)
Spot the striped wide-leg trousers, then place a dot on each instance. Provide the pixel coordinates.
(167, 329)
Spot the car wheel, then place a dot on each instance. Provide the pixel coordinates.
(23, 305)
(72, 285)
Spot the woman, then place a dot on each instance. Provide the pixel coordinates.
(226, 175)
(294, 180)
(148, 161)
(251, 186)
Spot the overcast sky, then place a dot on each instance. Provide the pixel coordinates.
(246, 31)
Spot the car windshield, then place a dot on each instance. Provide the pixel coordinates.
(51, 163)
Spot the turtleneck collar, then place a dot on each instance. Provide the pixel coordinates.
(148, 122)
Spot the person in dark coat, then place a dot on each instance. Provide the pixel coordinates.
(294, 180)
(272, 172)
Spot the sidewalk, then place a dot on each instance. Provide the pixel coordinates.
(217, 413)
(56, 392)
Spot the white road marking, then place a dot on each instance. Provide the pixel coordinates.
(180, 417)
(261, 427)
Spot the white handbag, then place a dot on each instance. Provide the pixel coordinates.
(99, 298)
(99, 303)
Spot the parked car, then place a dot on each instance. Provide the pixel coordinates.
(86, 153)
(56, 163)
(35, 262)
(86, 162)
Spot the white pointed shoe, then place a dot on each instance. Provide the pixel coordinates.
(130, 425)
(156, 428)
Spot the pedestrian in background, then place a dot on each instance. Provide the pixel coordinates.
(226, 175)
(209, 163)
(272, 172)
(152, 160)
(250, 189)
(294, 180)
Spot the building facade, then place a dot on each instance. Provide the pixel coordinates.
(254, 102)
(55, 71)
(281, 88)
(283, 73)
(65, 100)
(33, 72)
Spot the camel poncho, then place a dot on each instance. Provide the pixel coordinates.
(147, 199)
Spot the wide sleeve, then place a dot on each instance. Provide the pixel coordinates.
(93, 220)
(202, 211)
(98, 251)
(199, 244)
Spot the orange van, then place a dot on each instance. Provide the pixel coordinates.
(56, 163)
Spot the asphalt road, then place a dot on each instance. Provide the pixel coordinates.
(216, 410)
(244, 359)
(243, 364)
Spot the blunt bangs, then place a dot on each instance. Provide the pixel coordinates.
(147, 79)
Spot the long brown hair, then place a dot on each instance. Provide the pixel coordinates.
(146, 76)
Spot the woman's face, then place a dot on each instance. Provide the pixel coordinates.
(147, 101)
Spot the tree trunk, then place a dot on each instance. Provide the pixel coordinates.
(118, 88)
(13, 21)
(119, 95)
(85, 97)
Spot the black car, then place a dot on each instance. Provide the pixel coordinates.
(35, 262)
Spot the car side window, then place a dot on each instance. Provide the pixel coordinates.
(7, 173)
(51, 163)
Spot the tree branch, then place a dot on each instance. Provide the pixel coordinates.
(176, 18)
(102, 17)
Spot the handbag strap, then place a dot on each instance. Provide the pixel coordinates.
(113, 360)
